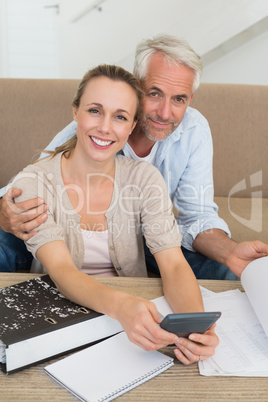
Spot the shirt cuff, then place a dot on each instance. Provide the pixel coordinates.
(189, 235)
(5, 189)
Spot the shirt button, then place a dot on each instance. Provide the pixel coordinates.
(111, 247)
(118, 268)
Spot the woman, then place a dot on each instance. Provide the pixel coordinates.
(100, 205)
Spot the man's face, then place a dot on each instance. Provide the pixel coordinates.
(168, 92)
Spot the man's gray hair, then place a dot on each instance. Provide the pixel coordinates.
(176, 51)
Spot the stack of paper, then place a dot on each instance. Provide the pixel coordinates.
(242, 328)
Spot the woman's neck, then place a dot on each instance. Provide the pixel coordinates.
(89, 185)
(77, 168)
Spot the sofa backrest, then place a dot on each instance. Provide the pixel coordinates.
(238, 118)
(33, 110)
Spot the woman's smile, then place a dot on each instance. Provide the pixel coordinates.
(101, 143)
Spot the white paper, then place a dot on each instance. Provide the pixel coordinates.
(108, 369)
(254, 279)
(242, 328)
(164, 308)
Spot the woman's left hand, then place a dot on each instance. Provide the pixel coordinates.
(197, 347)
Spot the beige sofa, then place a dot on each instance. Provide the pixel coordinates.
(33, 111)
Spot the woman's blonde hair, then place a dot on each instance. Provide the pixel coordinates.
(115, 73)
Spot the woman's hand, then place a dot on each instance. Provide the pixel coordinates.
(140, 320)
(197, 347)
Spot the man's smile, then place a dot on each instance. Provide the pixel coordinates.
(160, 124)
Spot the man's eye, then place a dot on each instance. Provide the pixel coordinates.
(154, 94)
(180, 100)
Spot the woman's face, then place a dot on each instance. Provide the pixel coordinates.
(105, 117)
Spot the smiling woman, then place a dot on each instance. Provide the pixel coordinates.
(100, 205)
(102, 122)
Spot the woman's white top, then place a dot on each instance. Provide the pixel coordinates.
(97, 259)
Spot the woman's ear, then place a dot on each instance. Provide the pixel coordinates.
(74, 113)
(133, 126)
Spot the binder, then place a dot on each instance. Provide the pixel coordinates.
(37, 323)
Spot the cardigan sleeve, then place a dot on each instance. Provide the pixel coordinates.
(146, 200)
(34, 182)
(159, 226)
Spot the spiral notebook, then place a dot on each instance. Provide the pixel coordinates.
(108, 369)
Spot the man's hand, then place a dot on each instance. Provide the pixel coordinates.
(216, 245)
(245, 252)
(23, 217)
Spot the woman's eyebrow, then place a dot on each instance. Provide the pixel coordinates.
(101, 106)
(94, 104)
(122, 111)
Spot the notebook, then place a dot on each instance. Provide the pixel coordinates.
(109, 369)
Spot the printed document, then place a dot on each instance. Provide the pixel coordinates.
(243, 326)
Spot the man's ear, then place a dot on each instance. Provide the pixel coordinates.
(191, 98)
(74, 113)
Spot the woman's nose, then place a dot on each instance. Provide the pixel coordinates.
(105, 125)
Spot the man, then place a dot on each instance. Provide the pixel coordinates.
(177, 140)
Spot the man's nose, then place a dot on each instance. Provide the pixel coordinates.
(164, 109)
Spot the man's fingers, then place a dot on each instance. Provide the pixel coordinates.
(26, 230)
(35, 206)
(12, 193)
(33, 224)
(22, 217)
(26, 205)
(33, 213)
(25, 236)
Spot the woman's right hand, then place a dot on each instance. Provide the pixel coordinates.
(140, 320)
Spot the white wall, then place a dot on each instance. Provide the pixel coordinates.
(111, 35)
(245, 65)
(3, 39)
(28, 39)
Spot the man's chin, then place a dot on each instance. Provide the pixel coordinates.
(159, 135)
(156, 134)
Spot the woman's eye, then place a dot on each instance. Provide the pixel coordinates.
(93, 111)
(120, 117)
